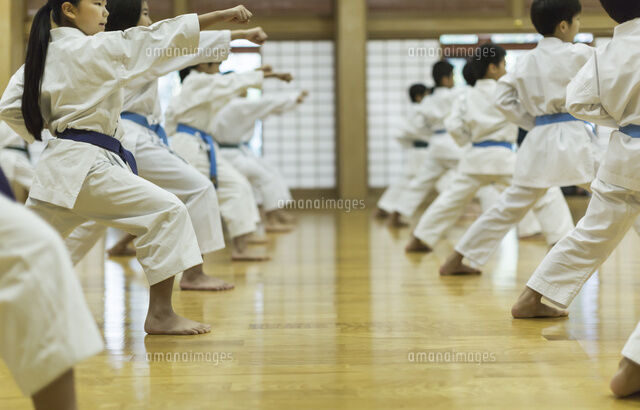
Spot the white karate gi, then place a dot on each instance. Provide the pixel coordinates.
(410, 132)
(606, 92)
(15, 163)
(552, 155)
(234, 125)
(442, 155)
(473, 120)
(158, 164)
(202, 97)
(46, 327)
(75, 182)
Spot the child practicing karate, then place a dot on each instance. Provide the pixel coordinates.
(73, 83)
(156, 163)
(233, 128)
(443, 153)
(558, 151)
(46, 327)
(605, 91)
(489, 162)
(191, 115)
(416, 143)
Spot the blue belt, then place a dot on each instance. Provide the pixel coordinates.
(420, 144)
(486, 144)
(631, 130)
(5, 187)
(555, 118)
(439, 132)
(213, 170)
(103, 141)
(142, 120)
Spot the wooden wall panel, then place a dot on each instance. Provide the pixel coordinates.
(440, 7)
(588, 6)
(271, 8)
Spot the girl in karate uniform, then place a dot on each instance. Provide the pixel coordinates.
(233, 128)
(73, 82)
(144, 134)
(190, 115)
(46, 327)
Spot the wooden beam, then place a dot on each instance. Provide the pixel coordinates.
(291, 28)
(12, 16)
(381, 27)
(351, 74)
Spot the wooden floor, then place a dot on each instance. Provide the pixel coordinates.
(343, 319)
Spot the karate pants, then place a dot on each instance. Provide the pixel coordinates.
(158, 165)
(265, 179)
(389, 201)
(46, 326)
(18, 169)
(422, 184)
(549, 206)
(112, 196)
(631, 349)
(450, 205)
(235, 194)
(565, 269)
(490, 194)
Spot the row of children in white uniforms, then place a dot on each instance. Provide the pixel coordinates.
(551, 92)
(436, 153)
(488, 160)
(87, 174)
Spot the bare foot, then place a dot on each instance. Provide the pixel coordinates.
(627, 380)
(170, 323)
(417, 246)
(278, 228)
(255, 239)
(285, 218)
(534, 237)
(529, 306)
(454, 266)
(121, 251)
(396, 221)
(381, 214)
(204, 282)
(249, 256)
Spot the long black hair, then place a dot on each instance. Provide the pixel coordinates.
(123, 14)
(35, 61)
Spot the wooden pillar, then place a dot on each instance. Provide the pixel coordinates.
(351, 90)
(12, 43)
(180, 7)
(518, 13)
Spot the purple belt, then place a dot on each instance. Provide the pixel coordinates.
(103, 141)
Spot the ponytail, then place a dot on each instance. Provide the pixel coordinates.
(35, 63)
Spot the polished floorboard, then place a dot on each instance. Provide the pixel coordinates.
(342, 318)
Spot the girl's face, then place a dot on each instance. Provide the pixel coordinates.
(145, 18)
(89, 16)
